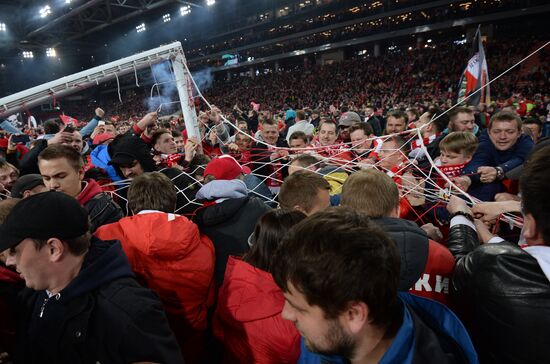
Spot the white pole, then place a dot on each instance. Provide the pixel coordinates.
(185, 92)
(77, 82)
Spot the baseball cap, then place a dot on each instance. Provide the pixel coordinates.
(25, 183)
(225, 167)
(42, 216)
(349, 118)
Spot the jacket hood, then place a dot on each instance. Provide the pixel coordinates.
(222, 190)
(413, 246)
(424, 318)
(216, 214)
(135, 146)
(100, 156)
(429, 333)
(104, 262)
(90, 189)
(248, 293)
(157, 234)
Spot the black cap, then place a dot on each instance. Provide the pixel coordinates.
(25, 183)
(42, 216)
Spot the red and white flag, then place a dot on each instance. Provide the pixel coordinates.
(68, 120)
(475, 77)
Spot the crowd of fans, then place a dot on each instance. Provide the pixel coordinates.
(342, 214)
(420, 76)
(382, 24)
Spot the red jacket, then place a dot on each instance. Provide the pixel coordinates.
(10, 283)
(248, 318)
(434, 282)
(170, 256)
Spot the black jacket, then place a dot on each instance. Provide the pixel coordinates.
(413, 246)
(261, 159)
(29, 163)
(102, 211)
(102, 316)
(503, 297)
(229, 224)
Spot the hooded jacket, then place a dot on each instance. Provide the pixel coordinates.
(228, 219)
(429, 333)
(426, 266)
(101, 158)
(135, 147)
(100, 206)
(503, 296)
(248, 318)
(169, 255)
(132, 145)
(103, 315)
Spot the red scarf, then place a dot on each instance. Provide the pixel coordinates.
(451, 171)
(425, 141)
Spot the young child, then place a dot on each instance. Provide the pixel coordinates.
(457, 149)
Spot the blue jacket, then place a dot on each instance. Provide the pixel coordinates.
(487, 155)
(429, 333)
(101, 159)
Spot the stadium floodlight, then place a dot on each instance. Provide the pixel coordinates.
(67, 1)
(141, 28)
(210, 2)
(2, 27)
(185, 10)
(50, 52)
(28, 54)
(166, 18)
(45, 11)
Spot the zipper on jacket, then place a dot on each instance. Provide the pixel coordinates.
(43, 307)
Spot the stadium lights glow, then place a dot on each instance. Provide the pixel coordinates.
(185, 10)
(28, 54)
(2, 27)
(210, 2)
(45, 11)
(429, 40)
(166, 18)
(141, 28)
(67, 1)
(50, 52)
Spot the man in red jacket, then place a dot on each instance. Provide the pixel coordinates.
(426, 266)
(169, 255)
(62, 169)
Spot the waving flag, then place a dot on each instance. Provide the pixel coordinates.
(68, 120)
(475, 76)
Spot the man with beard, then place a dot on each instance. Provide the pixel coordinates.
(343, 297)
